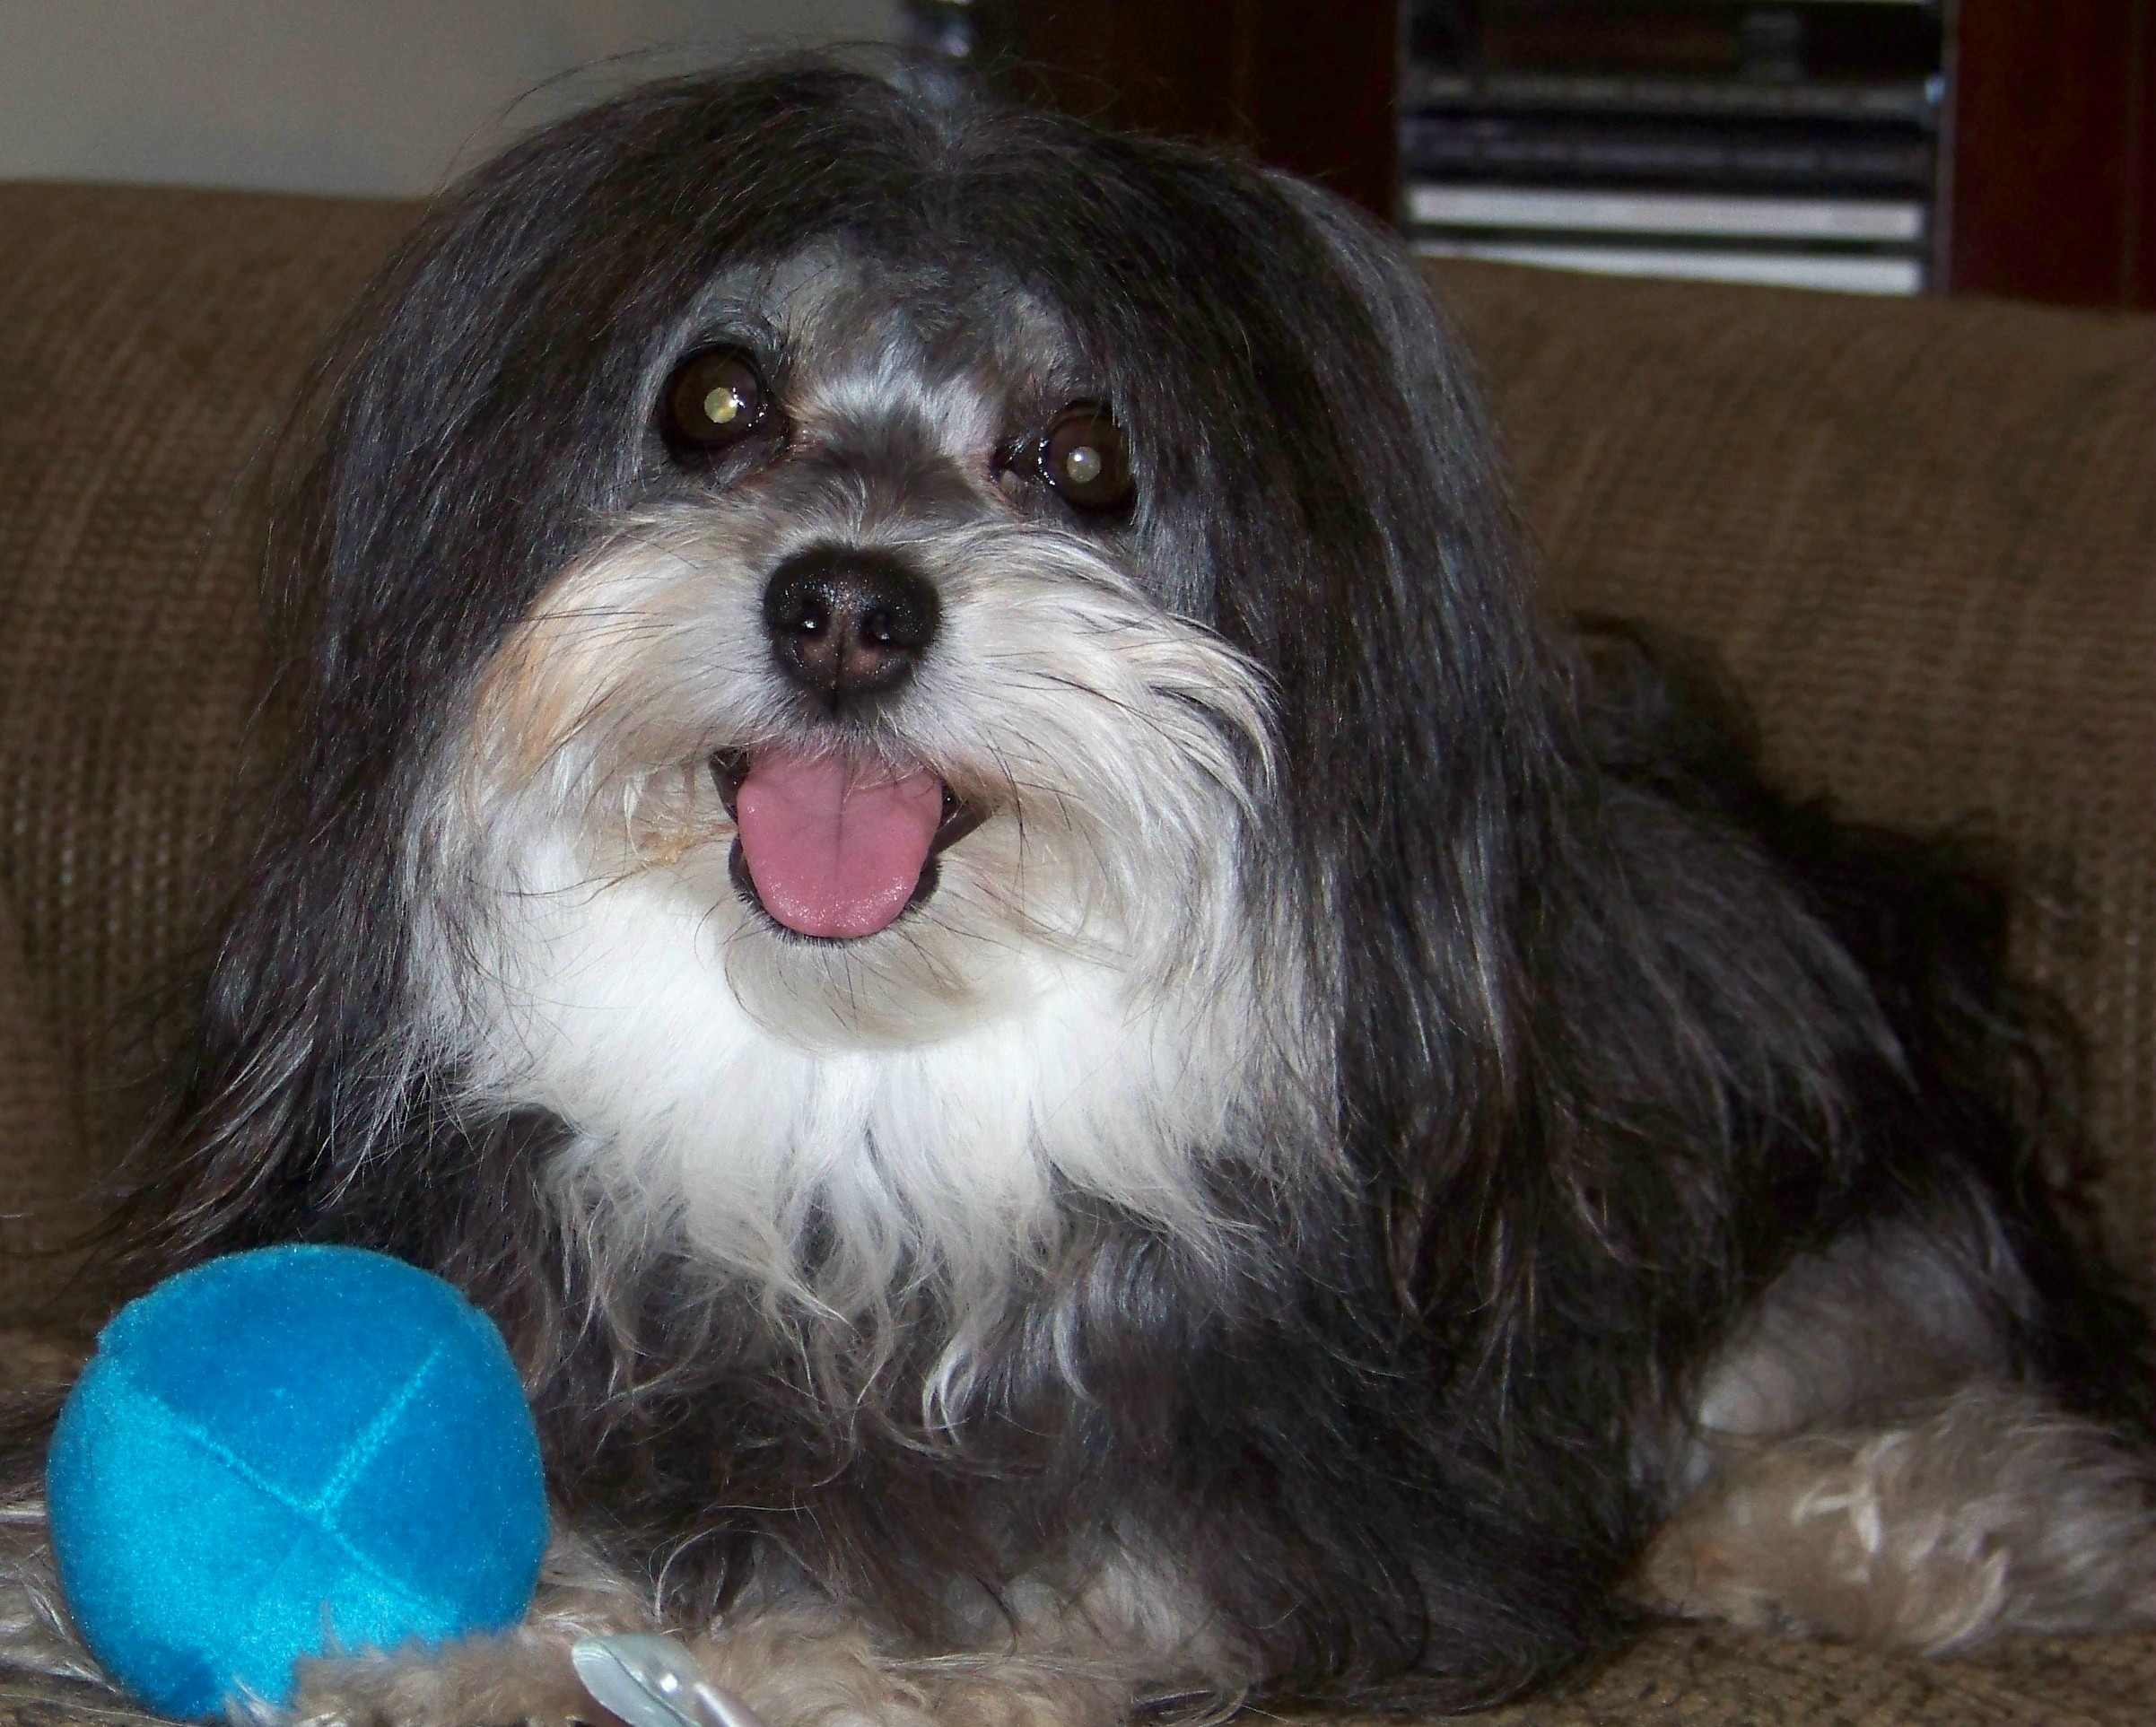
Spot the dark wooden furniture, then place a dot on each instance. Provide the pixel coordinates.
(2049, 190)
(2052, 166)
(1310, 87)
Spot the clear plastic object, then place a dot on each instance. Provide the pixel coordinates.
(653, 1681)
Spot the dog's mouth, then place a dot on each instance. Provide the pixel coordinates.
(836, 848)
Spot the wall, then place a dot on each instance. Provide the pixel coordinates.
(358, 96)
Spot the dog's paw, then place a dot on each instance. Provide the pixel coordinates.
(1990, 1511)
(809, 1669)
(802, 1673)
(518, 1678)
(805, 1669)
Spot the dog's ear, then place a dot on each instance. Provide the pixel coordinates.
(473, 415)
(1432, 782)
(1315, 483)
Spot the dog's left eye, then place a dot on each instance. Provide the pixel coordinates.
(713, 401)
(1084, 459)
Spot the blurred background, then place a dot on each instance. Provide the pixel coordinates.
(1885, 147)
(384, 98)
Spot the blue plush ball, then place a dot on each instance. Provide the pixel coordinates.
(287, 1452)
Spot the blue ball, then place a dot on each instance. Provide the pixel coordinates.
(288, 1453)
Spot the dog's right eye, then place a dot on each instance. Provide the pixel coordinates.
(713, 401)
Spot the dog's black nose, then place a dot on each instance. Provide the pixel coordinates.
(847, 622)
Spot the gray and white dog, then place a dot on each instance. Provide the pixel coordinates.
(936, 847)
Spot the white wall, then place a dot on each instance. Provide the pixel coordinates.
(359, 96)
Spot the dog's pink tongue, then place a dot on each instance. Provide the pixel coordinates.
(833, 854)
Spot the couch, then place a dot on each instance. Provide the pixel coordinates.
(1922, 534)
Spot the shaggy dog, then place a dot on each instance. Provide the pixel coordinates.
(934, 845)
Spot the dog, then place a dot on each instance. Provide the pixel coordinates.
(936, 843)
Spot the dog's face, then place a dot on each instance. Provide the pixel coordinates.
(874, 674)
(856, 786)
(880, 659)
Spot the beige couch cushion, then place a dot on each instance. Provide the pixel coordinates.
(1922, 534)
(149, 341)
(43, 1165)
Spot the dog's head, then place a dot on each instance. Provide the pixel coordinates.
(869, 666)
(887, 661)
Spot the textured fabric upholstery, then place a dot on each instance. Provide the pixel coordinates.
(149, 341)
(1924, 535)
(37, 1139)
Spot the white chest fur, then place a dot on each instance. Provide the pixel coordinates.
(617, 1005)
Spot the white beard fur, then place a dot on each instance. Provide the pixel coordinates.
(1085, 1006)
